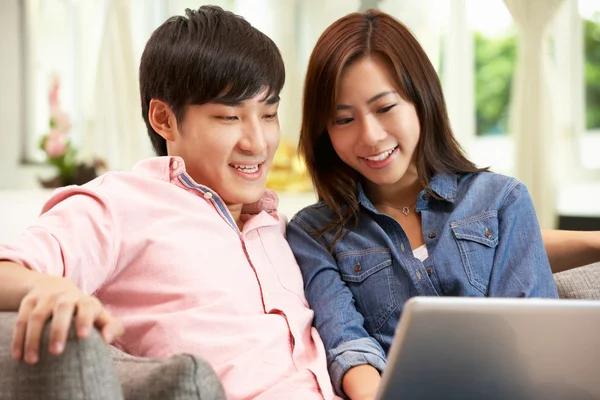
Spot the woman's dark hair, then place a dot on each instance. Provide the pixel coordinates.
(347, 40)
(208, 55)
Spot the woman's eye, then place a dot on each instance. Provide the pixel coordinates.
(386, 109)
(270, 116)
(343, 121)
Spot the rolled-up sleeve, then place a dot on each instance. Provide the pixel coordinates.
(340, 325)
(521, 266)
(74, 237)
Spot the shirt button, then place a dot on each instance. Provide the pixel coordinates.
(429, 271)
(426, 196)
(208, 195)
(488, 234)
(432, 235)
(357, 268)
(175, 164)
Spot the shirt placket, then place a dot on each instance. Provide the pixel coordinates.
(402, 250)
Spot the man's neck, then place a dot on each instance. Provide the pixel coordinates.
(236, 212)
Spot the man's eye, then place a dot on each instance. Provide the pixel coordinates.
(228, 118)
(271, 116)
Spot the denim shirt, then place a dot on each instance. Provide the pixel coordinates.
(482, 237)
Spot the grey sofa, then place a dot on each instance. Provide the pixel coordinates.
(93, 371)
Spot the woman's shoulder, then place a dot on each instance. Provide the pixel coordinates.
(488, 182)
(314, 217)
(488, 178)
(488, 189)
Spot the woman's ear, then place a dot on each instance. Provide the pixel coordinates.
(163, 119)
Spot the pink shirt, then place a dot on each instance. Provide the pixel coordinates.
(165, 257)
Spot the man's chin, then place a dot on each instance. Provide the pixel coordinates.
(248, 196)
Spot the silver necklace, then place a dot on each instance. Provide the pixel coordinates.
(404, 210)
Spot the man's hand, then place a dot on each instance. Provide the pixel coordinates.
(58, 299)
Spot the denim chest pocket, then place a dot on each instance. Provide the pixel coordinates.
(477, 238)
(369, 276)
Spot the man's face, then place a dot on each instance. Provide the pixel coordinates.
(229, 147)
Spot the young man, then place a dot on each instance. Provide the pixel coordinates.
(188, 250)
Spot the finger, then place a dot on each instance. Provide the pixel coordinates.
(88, 309)
(109, 326)
(35, 326)
(62, 316)
(20, 330)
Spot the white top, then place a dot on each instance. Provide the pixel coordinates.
(421, 253)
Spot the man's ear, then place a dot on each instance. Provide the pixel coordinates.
(163, 120)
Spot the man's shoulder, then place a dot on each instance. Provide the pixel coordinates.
(113, 188)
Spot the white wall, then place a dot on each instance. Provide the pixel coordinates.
(12, 174)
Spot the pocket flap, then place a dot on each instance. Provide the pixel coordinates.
(481, 228)
(357, 266)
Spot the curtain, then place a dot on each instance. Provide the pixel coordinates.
(533, 117)
(114, 129)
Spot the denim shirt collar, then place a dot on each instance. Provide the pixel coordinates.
(443, 185)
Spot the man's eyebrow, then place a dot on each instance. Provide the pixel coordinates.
(273, 100)
(238, 103)
(228, 102)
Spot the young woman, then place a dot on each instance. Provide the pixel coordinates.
(402, 211)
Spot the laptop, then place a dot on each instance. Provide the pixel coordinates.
(494, 348)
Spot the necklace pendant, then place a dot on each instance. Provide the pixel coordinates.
(405, 211)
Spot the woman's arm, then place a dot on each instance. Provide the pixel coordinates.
(361, 382)
(571, 249)
(521, 267)
(354, 358)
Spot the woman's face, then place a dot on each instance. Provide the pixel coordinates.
(374, 130)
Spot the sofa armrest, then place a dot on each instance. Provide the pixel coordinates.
(84, 371)
(579, 283)
(181, 377)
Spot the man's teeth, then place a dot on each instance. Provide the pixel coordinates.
(381, 156)
(246, 168)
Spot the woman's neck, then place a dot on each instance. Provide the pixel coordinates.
(400, 194)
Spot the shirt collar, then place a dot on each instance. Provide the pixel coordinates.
(169, 168)
(444, 185)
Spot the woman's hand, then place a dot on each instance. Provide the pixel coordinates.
(361, 382)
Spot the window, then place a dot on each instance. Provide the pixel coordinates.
(590, 15)
(494, 57)
(51, 52)
(587, 64)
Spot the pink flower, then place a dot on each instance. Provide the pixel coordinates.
(61, 120)
(55, 145)
(54, 90)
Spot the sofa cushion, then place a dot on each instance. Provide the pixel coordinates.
(84, 371)
(180, 377)
(579, 283)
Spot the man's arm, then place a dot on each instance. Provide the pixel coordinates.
(15, 282)
(571, 249)
(38, 297)
(54, 267)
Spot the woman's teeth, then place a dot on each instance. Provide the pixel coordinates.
(380, 157)
(249, 169)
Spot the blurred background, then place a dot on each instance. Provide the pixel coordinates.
(521, 80)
